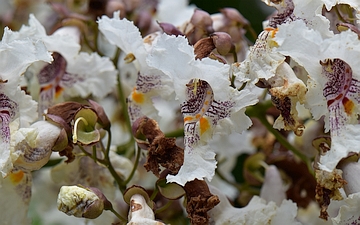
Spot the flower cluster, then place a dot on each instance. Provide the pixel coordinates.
(157, 112)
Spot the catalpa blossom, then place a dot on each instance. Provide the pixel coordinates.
(72, 73)
(333, 84)
(209, 104)
(150, 82)
(17, 108)
(266, 65)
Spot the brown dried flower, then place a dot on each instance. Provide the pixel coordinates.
(162, 150)
(199, 201)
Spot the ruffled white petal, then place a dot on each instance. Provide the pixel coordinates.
(199, 163)
(349, 212)
(257, 212)
(90, 74)
(124, 34)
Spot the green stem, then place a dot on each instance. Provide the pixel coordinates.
(164, 207)
(239, 187)
(252, 31)
(153, 195)
(123, 104)
(175, 133)
(138, 153)
(110, 167)
(96, 160)
(258, 112)
(123, 220)
(235, 56)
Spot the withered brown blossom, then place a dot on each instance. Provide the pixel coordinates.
(161, 150)
(64, 115)
(327, 187)
(199, 201)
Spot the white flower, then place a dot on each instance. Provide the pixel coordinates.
(89, 74)
(64, 42)
(17, 108)
(257, 212)
(150, 82)
(333, 84)
(72, 73)
(209, 104)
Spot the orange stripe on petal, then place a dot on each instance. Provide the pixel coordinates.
(348, 105)
(58, 91)
(47, 87)
(188, 118)
(204, 125)
(16, 177)
(137, 96)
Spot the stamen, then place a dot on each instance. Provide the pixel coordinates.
(76, 126)
(129, 58)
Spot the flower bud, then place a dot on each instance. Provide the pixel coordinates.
(222, 42)
(80, 202)
(202, 26)
(113, 6)
(202, 19)
(170, 29)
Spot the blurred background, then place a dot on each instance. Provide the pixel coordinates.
(255, 11)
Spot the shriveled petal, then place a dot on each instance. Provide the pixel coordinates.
(79, 202)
